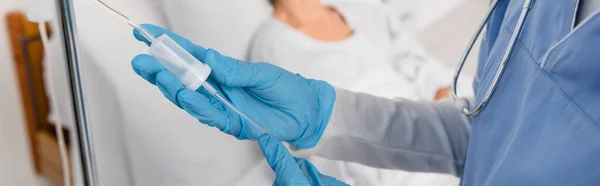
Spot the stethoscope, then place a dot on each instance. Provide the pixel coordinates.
(513, 40)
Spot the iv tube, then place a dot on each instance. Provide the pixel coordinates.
(214, 92)
(126, 19)
(178, 61)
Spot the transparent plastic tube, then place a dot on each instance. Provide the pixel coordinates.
(214, 93)
(126, 19)
(191, 72)
(180, 62)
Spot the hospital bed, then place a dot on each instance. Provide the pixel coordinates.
(139, 137)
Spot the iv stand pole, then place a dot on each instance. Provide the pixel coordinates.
(67, 23)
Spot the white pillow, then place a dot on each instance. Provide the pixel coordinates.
(225, 25)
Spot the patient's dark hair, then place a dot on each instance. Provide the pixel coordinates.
(272, 2)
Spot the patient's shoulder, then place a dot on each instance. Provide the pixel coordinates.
(264, 39)
(274, 40)
(359, 11)
(260, 39)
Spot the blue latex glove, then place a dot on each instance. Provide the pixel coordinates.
(289, 106)
(289, 170)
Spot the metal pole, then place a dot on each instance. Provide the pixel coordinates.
(86, 152)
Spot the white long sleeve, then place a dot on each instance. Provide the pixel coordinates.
(397, 134)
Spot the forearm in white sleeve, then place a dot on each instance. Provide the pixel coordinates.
(396, 134)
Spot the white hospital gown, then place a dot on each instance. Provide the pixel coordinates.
(380, 58)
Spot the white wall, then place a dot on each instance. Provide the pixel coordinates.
(446, 34)
(15, 161)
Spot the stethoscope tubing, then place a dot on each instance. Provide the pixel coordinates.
(511, 45)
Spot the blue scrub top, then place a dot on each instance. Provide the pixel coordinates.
(541, 126)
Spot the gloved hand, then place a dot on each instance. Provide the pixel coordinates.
(289, 170)
(289, 106)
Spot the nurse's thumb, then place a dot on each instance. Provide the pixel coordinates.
(281, 161)
(237, 73)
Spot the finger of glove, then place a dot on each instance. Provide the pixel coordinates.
(313, 175)
(156, 31)
(281, 161)
(235, 73)
(169, 85)
(204, 109)
(308, 169)
(147, 67)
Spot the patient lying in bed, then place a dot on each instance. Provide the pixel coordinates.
(353, 45)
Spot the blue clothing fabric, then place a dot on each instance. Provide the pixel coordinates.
(541, 125)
